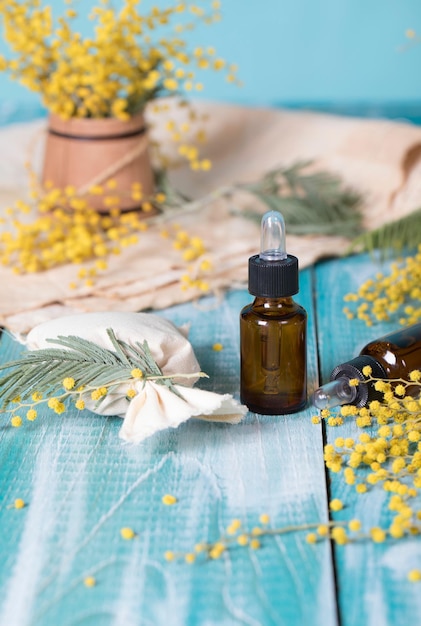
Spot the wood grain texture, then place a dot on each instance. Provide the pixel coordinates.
(373, 589)
(82, 485)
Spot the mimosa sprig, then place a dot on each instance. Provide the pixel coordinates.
(79, 369)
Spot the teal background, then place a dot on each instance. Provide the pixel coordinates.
(302, 51)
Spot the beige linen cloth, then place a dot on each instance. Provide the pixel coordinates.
(154, 407)
(381, 159)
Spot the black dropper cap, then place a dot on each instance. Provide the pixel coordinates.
(339, 391)
(354, 369)
(273, 273)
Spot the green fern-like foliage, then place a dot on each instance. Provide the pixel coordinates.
(394, 237)
(87, 363)
(311, 202)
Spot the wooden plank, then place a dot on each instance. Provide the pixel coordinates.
(82, 485)
(372, 578)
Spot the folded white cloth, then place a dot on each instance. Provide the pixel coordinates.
(155, 407)
(379, 158)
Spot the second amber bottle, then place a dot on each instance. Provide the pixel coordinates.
(273, 328)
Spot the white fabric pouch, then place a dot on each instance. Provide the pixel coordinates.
(154, 407)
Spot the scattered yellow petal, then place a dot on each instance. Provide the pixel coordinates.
(234, 526)
(217, 550)
(242, 540)
(414, 576)
(127, 533)
(190, 558)
(169, 499)
(354, 525)
(200, 547)
(378, 535)
(336, 505)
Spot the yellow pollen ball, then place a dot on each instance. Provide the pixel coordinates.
(168, 499)
(234, 526)
(217, 347)
(97, 394)
(127, 533)
(378, 535)
(335, 505)
(137, 373)
(190, 558)
(200, 547)
(19, 503)
(205, 265)
(354, 525)
(59, 408)
(415, 375)
(216, 551)
(242, 540)
(89, 581)
(414, 575)
(69, 383)
(16, 421)
(339, 535)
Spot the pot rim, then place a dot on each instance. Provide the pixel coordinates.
(95, 127)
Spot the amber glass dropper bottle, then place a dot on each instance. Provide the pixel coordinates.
(273, 328)
(391, 357)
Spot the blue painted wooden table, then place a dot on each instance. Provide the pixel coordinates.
(82, 485)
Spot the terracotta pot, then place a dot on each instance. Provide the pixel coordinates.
(87, 152)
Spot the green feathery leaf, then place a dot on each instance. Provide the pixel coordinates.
(87, 363)
(311, 203)
(393, 237)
